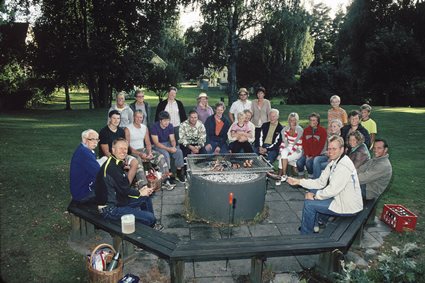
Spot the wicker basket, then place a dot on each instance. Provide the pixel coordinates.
(104, 276)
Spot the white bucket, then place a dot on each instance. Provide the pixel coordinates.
(127, 224)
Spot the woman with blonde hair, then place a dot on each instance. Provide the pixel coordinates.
(203, 109)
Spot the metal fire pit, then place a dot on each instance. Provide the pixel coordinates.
(211, 178)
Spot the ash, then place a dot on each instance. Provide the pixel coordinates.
(231, 178)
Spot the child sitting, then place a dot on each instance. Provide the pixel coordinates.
(238, 135)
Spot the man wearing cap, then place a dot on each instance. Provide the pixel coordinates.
(203, 109)
(240, 105)
(175, 108)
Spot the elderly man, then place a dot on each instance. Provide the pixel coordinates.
(376, 173)
(84, 168)
(114, 194)
(216, 127)
(175, 108)
(270, 137)
(239, 105)
(192, 135)
(164, 141)
(336, 193)
(138, 137)
(111, 132)
(125, 111)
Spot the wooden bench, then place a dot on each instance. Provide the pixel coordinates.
(331, 243)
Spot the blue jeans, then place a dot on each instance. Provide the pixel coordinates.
(307, 162)
(178, 155)
(311, 212)
(319, 163)
(223, 147)
(141, 208)
(271, 154)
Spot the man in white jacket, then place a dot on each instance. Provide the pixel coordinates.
(335, 193)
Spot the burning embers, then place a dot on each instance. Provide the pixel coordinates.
(222, 165)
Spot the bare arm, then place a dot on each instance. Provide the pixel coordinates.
(105, 149)
(231, 118)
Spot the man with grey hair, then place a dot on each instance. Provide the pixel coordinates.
(84, 167)
(270, 137)
(335, 193)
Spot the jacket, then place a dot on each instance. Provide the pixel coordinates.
(148, 111)
(161, 107)
(376, 173)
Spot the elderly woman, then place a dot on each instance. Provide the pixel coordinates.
(291, 147)
(359, 153)
(203, 109)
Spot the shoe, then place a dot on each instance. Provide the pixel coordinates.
(316, 229)
(273, 176)
(168, 185)
(158, 227)
(180, 176)
(283, 178)
(278, 183)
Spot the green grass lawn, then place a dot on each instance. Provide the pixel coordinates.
(36, 147)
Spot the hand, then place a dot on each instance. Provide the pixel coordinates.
(292, 181)
(242, 138)
(262, 150)
(217, 150)
(309, 196)
(149, 155)
(172, 149)
(208, 147)
(145, 191)
(194, 149)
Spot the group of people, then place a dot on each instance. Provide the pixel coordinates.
(336, 158)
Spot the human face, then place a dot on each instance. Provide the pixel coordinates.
(273, 117)
(292, 122)
(379, 150)
(365, 115)
(138, 118)
(243, 96)
(115, 120)
(241, 119)
(164, 123)
(248, 117)
(354, 120)
(91, 140)
(119, 150)
(172, 94)
(120, 101)
(334, 150)
(335, 103)
(335, 129)
(193, 118)
(140, 97)
(203, 101)
(219, 111)
(352, 141)
(314, 122)
(260, 95)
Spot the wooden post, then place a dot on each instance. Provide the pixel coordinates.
(256, 269)
(177, 271)
(126, 248)
(330, 262)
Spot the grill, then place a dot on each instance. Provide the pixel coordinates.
(211, 178)
(237, 163)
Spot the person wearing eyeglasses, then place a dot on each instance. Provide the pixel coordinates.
(239, 105)
(336, 192)
(84, 167)
(142, 105)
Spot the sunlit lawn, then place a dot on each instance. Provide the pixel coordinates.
(36, 146)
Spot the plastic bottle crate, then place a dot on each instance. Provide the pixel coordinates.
(398, 217)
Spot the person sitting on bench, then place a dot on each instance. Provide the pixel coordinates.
(114, 195)
(84, 167)
(335, 193)
(376, 173)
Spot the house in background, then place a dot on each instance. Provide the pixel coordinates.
(214, 77)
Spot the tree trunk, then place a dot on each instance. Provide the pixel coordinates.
(67, 97)
(233, 57)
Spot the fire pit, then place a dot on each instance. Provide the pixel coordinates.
(211, 178)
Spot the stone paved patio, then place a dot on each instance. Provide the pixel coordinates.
(284, 206)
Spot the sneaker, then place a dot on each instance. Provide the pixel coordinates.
(316, 229)
(180, 176)
(278, 183)
(158, 227)
(168, 185)
(283, 178)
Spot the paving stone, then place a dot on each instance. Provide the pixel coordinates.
(285, 278)
(264, 230)
(369, 241)
(236, 232)
(173, 199)
(357, 259)
(172, 209)
(182, 233)
(377, 236)
(283, 264)
(307, 261)
(174, 221)
(289, 228)
(369, 254)
(273, 196)
(212, 269)
(197, 233)
(240, 266)
(214, 279)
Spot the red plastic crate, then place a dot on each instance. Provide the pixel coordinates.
(398, 217)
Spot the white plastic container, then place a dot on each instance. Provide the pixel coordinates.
(127, 224)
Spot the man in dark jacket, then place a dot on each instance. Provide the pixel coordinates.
(270, 137)
(216, 127)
